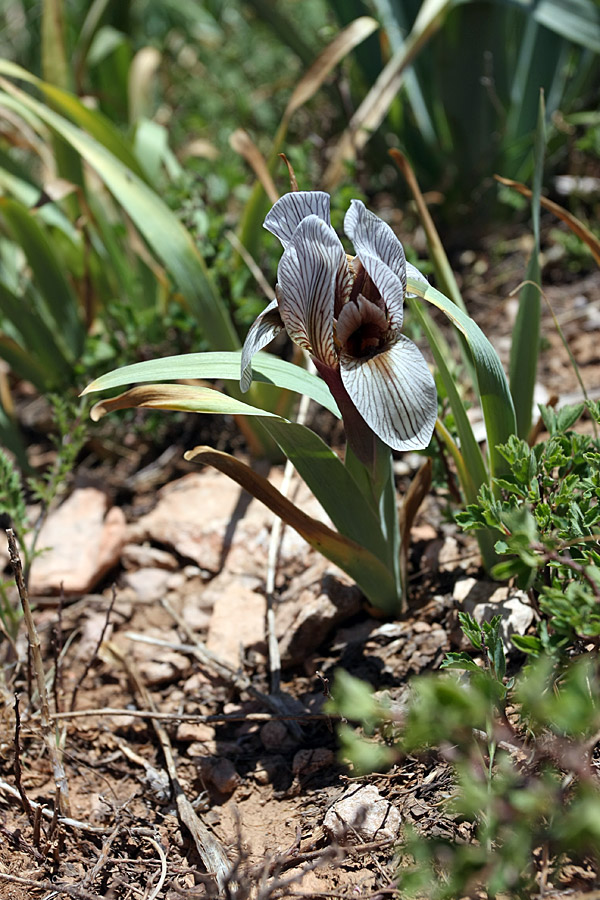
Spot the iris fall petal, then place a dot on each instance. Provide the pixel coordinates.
(395, 394)
(262, 331)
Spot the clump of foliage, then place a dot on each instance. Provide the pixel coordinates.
(525, 788)
(547, 515)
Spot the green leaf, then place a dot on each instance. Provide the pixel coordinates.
(494, 393)
(460, 661)
(525, 344)
(160, 227)
(331, 483)
(182, 397)
(61, 303)
(360, 564)
(224, 365)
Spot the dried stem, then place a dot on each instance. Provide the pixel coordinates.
(48, 730)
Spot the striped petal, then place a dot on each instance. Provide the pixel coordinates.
(382, 255)
(285, 216)
(262, 331)
(395, 394)
(312, 268)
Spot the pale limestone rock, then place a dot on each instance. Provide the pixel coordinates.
(484, 600)
(143, 556)
(238, 619)
(149, 584)
(362, 815)
(81, 542)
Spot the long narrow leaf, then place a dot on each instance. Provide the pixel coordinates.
(226, 366)
(181, 397)
(159, 225)
(60, 301)
(524, 349)
(493, 390)
(363, 566)
(331, 483)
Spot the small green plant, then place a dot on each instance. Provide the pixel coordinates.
(525, 793)
(546, 514)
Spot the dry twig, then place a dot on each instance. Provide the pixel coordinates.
(48, 731)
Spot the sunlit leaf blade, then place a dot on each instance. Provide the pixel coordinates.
(374, 108)
(330, 481)
(60, 302)
(309, 84)
(574, 20)
(226, 366)
(524, 349)
(368, 572)
(160, 227)
(182, 397)
(494, 393)
(90, 120)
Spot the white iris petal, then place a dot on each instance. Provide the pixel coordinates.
(262, 331)
(395, 394)
(309, 272)
(285, 216)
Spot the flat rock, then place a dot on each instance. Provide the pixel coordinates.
(484, 600)
(81, 541)
(142, 556)
(149, 584)
(362, 815)
(237, 622)
(207, 518)
(305, 620)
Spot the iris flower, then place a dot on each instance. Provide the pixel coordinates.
(347, 313)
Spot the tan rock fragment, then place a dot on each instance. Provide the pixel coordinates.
(82, 541)
(362, 815)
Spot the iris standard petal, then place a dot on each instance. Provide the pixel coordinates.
(262, 331)
(382, 255)
(395, 394)
(312, 268)
(285, 216)
(413, 272)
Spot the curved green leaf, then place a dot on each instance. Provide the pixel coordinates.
(222, 365)
(181, 397)
(61, 303)
(494, 393)
(331, 483)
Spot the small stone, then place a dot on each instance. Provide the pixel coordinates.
(303, 622)
(220, 773)
(171, 667)
(149, 584)
(275, 736)
(238, 619)
(195, 731)
(80, 542)
(362, 815)
(143, 556)
(307, 762)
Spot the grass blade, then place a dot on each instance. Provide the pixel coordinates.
(524, 349)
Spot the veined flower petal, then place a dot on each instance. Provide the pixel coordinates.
(262, 331)
(382, 255)
(395, 394)
(285, 216)
(413, 272)
(312, 268)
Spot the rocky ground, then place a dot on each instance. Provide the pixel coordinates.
(158, 606)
